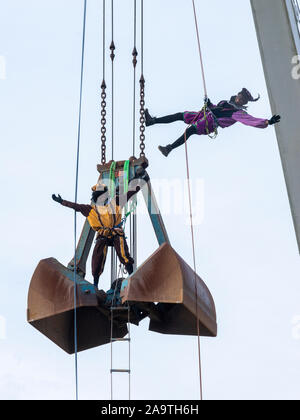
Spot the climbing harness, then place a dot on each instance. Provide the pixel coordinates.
(133, 201)
(112, 180)
(205, 109)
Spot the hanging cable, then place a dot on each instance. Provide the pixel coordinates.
(133, 221)
(76, 198)
(134, 62)
(142, 88)
(112, 56)
(142, 36)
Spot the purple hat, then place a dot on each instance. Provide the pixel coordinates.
(247, 95)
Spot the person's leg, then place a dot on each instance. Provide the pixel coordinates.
(98, 259)
(163, 120)
(122, 251)
(179, 142)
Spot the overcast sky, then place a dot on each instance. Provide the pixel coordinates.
(245, 242)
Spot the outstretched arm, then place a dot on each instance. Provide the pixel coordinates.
(247, 119)
(84, 209)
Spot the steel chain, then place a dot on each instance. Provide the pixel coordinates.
(142, 116)
(103, 123)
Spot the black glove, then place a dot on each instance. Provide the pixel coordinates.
(208, 103)
(275, 119)
(57, 199)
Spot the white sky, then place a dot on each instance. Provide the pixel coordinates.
(246, 247)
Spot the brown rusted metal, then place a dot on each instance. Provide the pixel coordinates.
(166, 279)
(136, 162)
(51, 308)
(163, 288)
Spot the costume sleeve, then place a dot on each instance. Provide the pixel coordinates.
(84, 209)
(247, 119)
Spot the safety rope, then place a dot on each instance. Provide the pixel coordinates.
(190, 200)
(204, 109)
(194, 263)
(200, 52)
(76, 198)
(112, 180)
(133, 202)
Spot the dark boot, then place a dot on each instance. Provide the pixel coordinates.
(165, 150)
(96, 282)
(179, 142)
(129, 268)
(149, 120)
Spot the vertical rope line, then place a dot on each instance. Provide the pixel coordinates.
(142, 36)
(112, 81)
(103, 41)
(142, 88)
(194, 262)
(112, 47)
(190, 199)
(134, 81)
(76, 198)
(111, 353)
(132, 216)
(129, 354)
(103, 91)
(199, 48)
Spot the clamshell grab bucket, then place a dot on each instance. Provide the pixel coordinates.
(164, 288)
(51, 308)
(167, 280)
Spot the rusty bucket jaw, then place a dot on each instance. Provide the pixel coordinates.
(51, 308)
(181, 296)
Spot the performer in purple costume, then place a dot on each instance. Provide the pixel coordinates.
(223, 115)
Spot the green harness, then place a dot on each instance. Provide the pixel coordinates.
(112, 189)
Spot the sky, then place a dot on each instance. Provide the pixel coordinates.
(246, 248)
